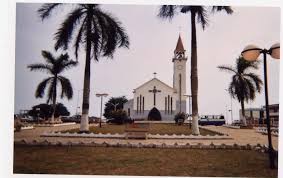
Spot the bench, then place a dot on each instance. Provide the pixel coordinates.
(137, 130)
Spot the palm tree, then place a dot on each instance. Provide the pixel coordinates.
(199, 13)
(54, 67)
(244, 84)
(99, 32)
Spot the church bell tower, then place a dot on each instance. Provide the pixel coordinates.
(179, 76)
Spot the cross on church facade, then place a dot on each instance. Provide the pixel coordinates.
(154, 91)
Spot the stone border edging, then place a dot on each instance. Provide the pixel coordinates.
(264, 131)
(258, 147)
(122, 136)
(82, 135)
(201, 137)
(54, 125)
(27, 127)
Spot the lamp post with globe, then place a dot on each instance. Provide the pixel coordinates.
(251, 53)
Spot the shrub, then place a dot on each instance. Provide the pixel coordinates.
(119, 117)
(180, 118)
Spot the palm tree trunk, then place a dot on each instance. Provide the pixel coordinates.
(194, 77)
(243, 113)
(84, 127)
(54, 98)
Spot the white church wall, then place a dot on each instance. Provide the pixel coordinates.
(160, 96)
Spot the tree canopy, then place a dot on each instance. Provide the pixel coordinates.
(113, 102)
(45, 111)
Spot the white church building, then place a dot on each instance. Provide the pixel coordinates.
(156, 100)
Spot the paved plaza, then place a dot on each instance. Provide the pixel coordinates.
(239, 136)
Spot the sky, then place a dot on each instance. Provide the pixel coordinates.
(152, 43)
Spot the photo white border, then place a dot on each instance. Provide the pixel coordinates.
(7, 69)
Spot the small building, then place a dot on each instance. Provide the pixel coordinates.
(257, 116)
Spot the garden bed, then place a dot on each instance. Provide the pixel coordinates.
(160, 129)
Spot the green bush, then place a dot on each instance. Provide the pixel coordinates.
(180, 118)
(119, 117)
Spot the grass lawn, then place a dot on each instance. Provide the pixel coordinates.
(154, 129)
(140, 161)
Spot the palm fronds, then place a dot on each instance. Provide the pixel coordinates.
(40, 67)
(54, 67)
(48, 56)
(64, 34)
(244, 84)
(167, 11)
(227, 9)
(46, 9)
(67, 90)
(227, 68)
(41, 87)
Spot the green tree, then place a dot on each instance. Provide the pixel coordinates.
(119, 117)
(46, 110)
(100, 33)
(244, 84)
(114, 104)
(199, 13)
(54, 67)
(42, 110)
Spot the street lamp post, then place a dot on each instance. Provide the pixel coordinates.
(251, 53)
(115, 105)
(101, 95)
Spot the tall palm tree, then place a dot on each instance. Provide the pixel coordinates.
(199, 13)
(54, 67)
(244, 84)
(100, 33)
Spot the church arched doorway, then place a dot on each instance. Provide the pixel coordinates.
(154, 115)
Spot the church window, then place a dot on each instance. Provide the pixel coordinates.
(140, 103)
(168, 106)
(137, 104)
(165, 105)
(171, 105)
(143, 104)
